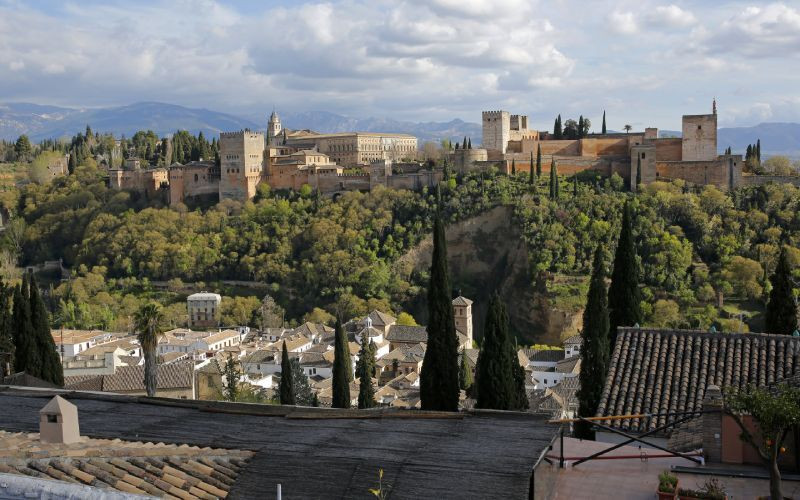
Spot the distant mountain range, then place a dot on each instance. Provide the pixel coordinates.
(41, 122)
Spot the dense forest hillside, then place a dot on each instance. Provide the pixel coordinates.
(704, 255)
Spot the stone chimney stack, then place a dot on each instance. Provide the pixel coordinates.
(712, 425)
(58, 422)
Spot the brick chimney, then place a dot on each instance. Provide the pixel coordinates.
(712, 425)
(58, 422)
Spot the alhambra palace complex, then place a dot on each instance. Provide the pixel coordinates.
(334, 163)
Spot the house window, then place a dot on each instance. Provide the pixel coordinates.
(52, 418)
(642, 156)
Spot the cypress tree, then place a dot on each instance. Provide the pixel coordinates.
(499, 379)
(749, 152)
(554, 188)
(555, 128)
(24, 341)
(464, 373)
(464, 146)
(559, 131)
(531, 172)
(513, 167)
(624, 301)
(538, 160)
(638, 170)
(6, 328)
(758, 151)
(73, 162)
(469, 143)
(781, 313)
(575, 185)
(604, 122)
(439, 374)
(365, 368)
(594, 351)
(580, 127)
(287, 383)
(341, 384)
(50, 361)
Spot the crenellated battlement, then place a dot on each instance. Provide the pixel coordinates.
(239, 134)
(493, 114)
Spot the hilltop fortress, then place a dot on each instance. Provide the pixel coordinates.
(639, 157)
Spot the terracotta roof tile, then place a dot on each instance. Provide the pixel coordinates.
(661, 371)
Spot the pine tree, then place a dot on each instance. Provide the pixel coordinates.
(594, 351)
(538, 160)
(554, 187)
(624, 301)
(513, 167)
(439, 375)
(365, 368)
(341, 380)
(604, 122)
(50, 361)
(464, 373)
(781, 313)
(287, 384)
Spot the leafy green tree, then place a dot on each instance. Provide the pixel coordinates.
(624, 300)
(23, 148)
(604, 122)
(594, 351)
(439, 374)
(365, 368)
(287, 385)
(776, 412)
(341, 379)
(148, 324)
(232, 378)
(465, 378)
(781, 313)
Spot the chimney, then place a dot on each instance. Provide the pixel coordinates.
(58, 422)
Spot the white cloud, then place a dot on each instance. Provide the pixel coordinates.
(760, 32)
(671, 16)
(623, 23)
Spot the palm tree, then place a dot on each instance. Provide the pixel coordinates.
(148, 322)
(627, 128)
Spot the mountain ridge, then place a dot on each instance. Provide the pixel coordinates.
(45, 121)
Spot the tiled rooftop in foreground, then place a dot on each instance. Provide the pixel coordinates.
(311, 452)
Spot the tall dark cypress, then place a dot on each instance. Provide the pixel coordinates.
(624, 300)
(531, 172)
(538, 160)
(439, 375)
(6, 328)
(465, 143)
(781, 313)
(365, 368)
(513, 167)
(341, 381)
(287, 382)
(469, 143)
(554, 187)
(49, 359)
(24, 341)
(604, 122)
(580, 127)
(594, 351)
(495, 386)
(758, 151)
(638, 170)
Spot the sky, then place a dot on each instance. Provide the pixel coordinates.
(644, 62)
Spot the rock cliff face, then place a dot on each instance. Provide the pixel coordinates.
(486, 253)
